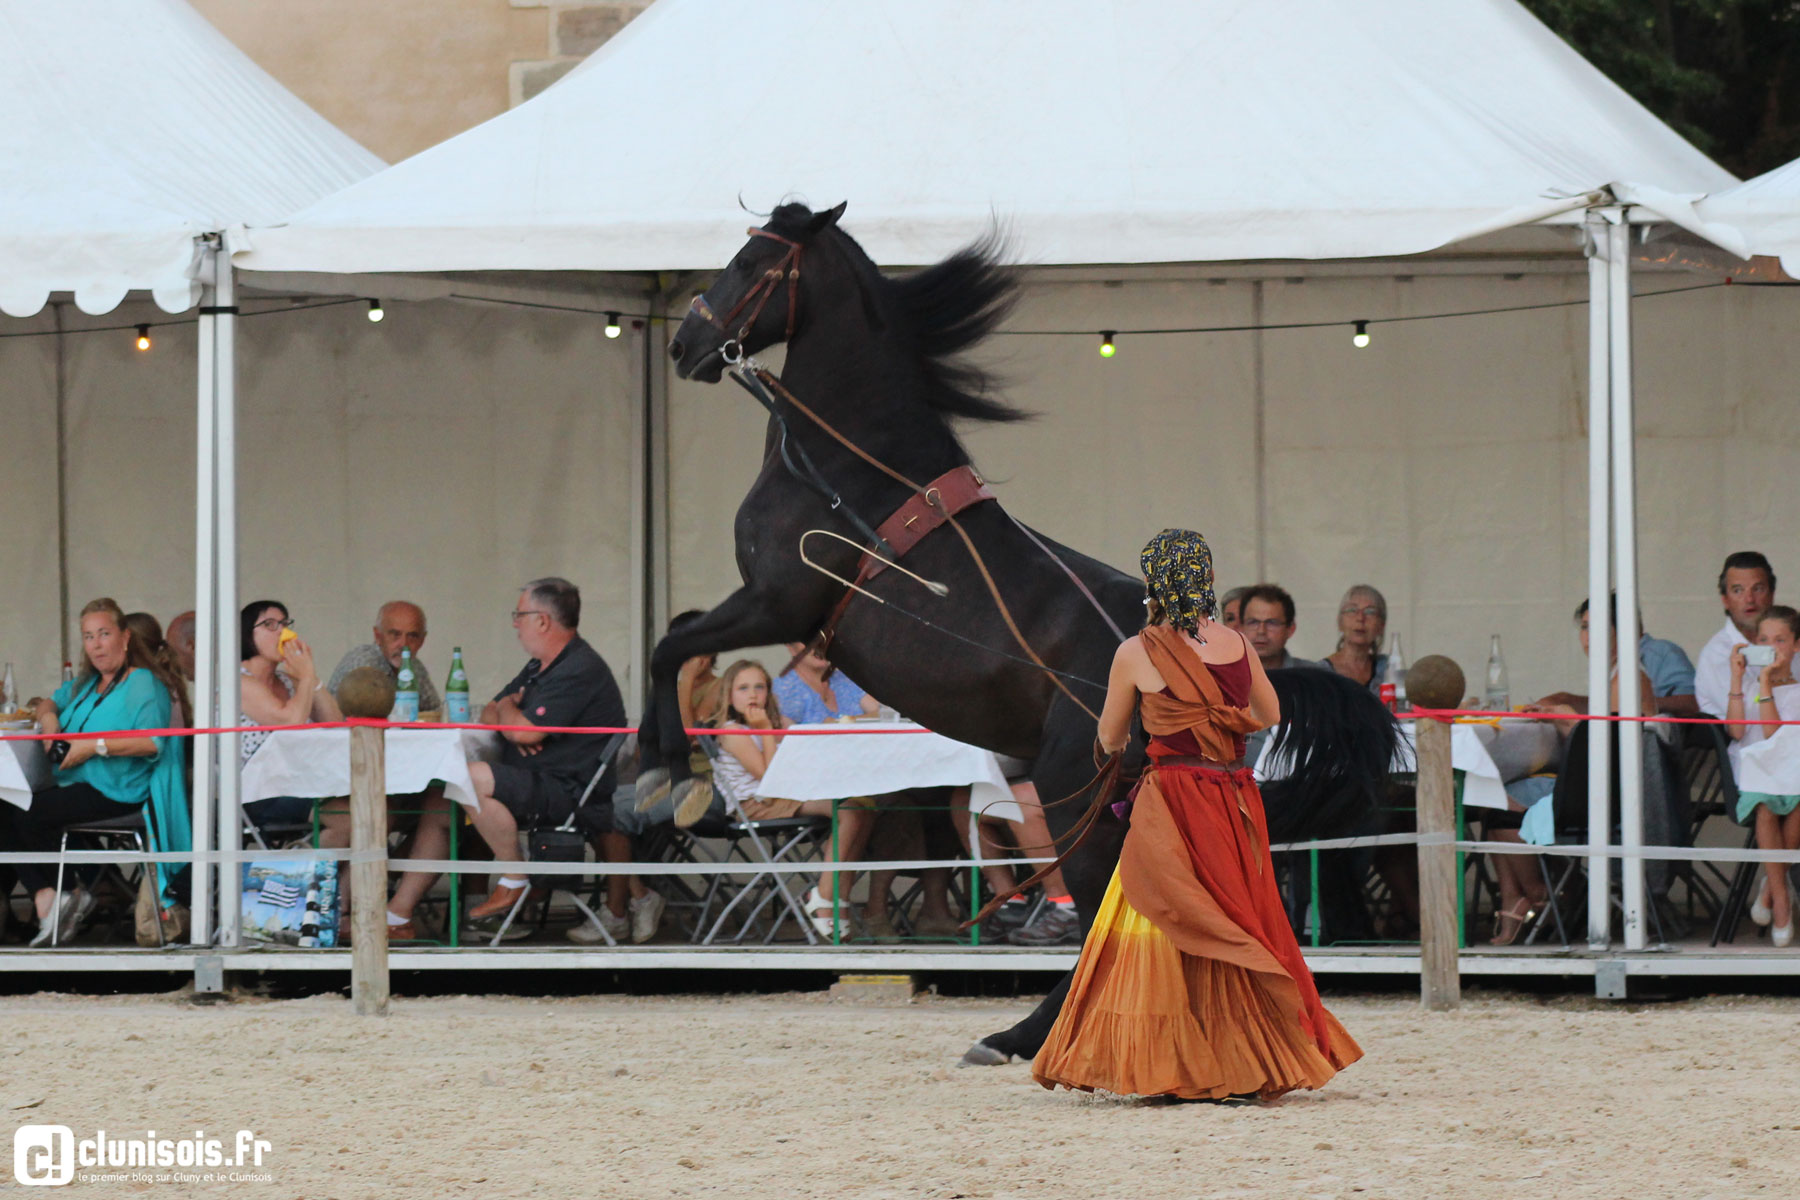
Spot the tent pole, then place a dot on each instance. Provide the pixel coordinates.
(1599, 582)
(62, 484)
(1631, 733)
(205, 639)
(225, 425)
(637, 692)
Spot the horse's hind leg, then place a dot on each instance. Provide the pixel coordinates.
(1026, 1038)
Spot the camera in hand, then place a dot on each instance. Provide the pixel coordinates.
(56, 751)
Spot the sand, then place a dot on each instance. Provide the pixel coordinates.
(805, 1096)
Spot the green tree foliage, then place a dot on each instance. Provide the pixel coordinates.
(1725, 74)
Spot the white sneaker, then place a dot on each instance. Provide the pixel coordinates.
(1782, 935)
(66, 912)
(646, 916)
(587, 934)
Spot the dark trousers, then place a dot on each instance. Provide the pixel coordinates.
(38, 830)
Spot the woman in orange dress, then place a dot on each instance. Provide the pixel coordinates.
(1190, 983)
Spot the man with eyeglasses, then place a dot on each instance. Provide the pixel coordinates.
(1267, 621)
(399, 625)
(540, 775)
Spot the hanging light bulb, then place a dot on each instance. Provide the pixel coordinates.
(1360, 338)
(375, 310)
(612, 324)
(1107, 349)
(143, 337)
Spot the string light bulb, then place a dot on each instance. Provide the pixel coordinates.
(1107, 349)
(612, 324)
(1360, 338)
(143, 337)
(375, 311)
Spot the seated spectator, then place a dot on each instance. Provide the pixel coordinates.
(697, 694)
(812, 691)
(1523, 752)
(1746, 589)
(1775, 697)
(1671, 677)
(181, 642)
(1362, 624)
(279, 686)
(399, 625)
(541, 775)
(102, 778)
(1058, 924)
(749, 706)
(1268, 622)
(1231, 607)
(147, 633)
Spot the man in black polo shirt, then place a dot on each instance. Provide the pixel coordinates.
(541, 775)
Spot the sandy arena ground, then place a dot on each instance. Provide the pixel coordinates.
(804, 1096)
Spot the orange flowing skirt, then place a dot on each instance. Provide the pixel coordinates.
(1190, 983)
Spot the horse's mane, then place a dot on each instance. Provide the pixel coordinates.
(943, 310)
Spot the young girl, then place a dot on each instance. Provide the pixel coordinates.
(1774, 698)
(744, 759)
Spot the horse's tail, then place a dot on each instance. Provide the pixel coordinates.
(1341, 741)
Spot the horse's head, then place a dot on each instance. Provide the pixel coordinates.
(755, 301)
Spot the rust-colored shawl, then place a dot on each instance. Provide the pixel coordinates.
(1197, 703)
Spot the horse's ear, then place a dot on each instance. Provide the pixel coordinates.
(827, 218)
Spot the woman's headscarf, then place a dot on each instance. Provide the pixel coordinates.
(1178, 569)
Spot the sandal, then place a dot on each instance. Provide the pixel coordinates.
(827, 919)
(1505, 935)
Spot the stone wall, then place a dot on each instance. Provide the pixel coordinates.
(403, 75)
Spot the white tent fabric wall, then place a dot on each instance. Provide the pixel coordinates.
(445, 455)
(1170, 132)
(132, 126)
(1445, 463)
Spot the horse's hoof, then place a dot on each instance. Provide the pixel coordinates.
(983, 1055)
(652, 788)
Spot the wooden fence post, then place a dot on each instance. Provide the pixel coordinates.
(1440, 985)
(368, 895)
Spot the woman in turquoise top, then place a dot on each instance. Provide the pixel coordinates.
(102, 778)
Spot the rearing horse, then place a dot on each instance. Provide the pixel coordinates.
(876, 360)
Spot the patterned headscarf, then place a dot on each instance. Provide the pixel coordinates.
(1178, 569)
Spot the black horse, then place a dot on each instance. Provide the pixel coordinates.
(876, 359)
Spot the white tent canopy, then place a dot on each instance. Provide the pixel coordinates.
(1758, 216)
(132, 127)
(1124, 131)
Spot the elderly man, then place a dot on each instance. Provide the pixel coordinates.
(399, 625)
(1268, 623)
(1747, 590)
(541, 775)
(180, 636)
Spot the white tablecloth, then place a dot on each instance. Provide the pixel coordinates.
(23, 770)
(842, 765)
(1482, 786)
(316, 762)
(1771, 765)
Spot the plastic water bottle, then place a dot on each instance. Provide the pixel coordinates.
(406, 690)
(1497, 697)
(9, 691)
(456, 690)
(1393, 680)
(68, 671)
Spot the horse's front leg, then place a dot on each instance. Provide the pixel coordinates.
(747, 617)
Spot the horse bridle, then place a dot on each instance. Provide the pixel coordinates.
(787, 268)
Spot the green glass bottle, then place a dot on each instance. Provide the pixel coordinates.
(456, 690)
(406, 690)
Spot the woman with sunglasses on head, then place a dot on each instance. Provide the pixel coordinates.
(1190, 984)
(101, 778)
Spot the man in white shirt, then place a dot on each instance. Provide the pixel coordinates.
(1747, 589)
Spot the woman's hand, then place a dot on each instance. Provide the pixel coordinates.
(80, 751)
(1738, 666)
(757, 717)
(299, 659)
(48, 719)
